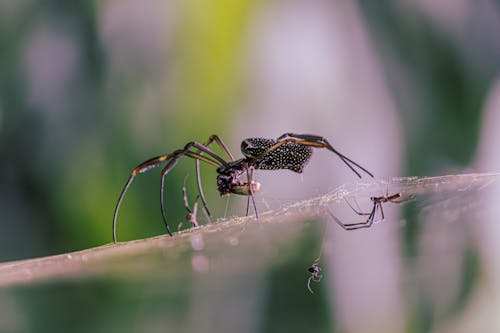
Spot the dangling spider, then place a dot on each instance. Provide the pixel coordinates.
(289, 151)
(315, 276)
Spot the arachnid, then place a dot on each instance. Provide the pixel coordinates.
(190, 213)
(315, 274)
(289, 151)
(377, 205)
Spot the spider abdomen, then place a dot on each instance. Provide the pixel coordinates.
(291, 156)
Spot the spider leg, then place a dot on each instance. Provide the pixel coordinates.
(141, 168)
(382, 217)
(405, 199)
(353, 226)
(157, 161)
(190, 213)
(319, 142)
(250, 188)
(222, 145)
(317, 277)
(203, 149)
(195, 206)
(356, 211)
(176, 156)
(186, 204)
(192, 216)
(200, 190)
(184, 196)
(309, 284)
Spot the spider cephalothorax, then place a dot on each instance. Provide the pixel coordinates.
(228, 179)
(289, 151)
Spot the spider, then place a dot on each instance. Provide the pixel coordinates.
(315, 274)
(190, 213)
(377, 205)
(289, 151)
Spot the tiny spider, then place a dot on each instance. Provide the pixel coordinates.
(315, 274)
(191, 213)
(289, 151)
(377, 205)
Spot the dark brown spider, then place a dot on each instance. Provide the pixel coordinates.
(377, 205)
(289, 151)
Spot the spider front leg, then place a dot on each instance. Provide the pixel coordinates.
(319, 142)
(251, 192)
(355, 210)
(215, 160)
(141, 168)
(358, 225)
(213, 138)
(403, 200)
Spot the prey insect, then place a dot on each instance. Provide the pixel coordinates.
(377, 206)
(289, 151)
(316, 276)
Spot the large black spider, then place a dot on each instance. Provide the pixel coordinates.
(289, 151)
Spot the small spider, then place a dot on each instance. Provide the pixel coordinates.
(315, 274)
(289, 151)
(191, 213)
(377, 205)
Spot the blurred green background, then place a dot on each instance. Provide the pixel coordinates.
(90, 89)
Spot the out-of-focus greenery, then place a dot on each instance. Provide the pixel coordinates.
(440, 75)
(440, 81)
(65, 156)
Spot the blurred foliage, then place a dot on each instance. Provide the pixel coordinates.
(440, 81)
(68, 164)
(439, 84)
